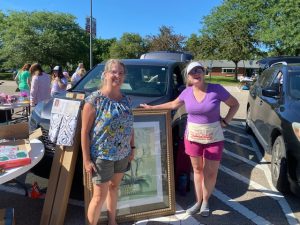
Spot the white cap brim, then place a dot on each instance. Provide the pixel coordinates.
(192, 65)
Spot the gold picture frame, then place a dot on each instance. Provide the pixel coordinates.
(147, 189)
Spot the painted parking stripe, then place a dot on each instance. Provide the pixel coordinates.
(241, 145)
(240, 208)
(236, 133)
(243, 159)
(292, 220)
(179, 218)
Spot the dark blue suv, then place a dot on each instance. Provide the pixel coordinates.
(273, 114)
(151, 81)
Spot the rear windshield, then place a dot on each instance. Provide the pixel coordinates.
(294, 84)
(140, 80)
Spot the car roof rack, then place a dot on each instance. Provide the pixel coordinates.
(282, 63)
(168, 55)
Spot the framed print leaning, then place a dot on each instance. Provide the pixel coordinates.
(147, 189)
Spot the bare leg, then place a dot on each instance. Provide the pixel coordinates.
(210, 173)
(95, 206)
(112, 197)
(197, 164)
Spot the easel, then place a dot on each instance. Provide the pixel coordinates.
(61, 177)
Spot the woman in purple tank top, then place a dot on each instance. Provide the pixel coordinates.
(203, 139)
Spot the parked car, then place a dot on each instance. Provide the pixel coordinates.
(151, 81)
(269, 61)
(273, 114)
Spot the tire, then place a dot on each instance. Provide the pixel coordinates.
(247, 128)
(279, 165)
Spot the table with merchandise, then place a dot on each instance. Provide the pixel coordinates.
(36, 153)
(8, 107)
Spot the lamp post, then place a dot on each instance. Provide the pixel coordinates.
(210, 68)
(91, 51)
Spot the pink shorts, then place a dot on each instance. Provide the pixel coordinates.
(212, 151)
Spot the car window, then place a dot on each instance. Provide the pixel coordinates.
(294, 84)
(91, 81)
(140, 80)
(277, 81)
(266, 78)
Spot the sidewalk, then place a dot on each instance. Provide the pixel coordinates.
(8, 86)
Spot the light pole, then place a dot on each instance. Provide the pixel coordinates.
(91, 51)
(210, 68)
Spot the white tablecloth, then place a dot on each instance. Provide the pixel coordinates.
(36, 154)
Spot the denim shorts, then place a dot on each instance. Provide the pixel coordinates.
(107, 168)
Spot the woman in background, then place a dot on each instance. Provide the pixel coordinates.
(23, 79)
(40, 84)
(59, 81)
(77, 76)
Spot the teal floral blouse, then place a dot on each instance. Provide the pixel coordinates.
(111, 132)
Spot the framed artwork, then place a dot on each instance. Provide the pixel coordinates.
(147, 189)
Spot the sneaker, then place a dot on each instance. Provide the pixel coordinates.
(204, 210)
(194, 209)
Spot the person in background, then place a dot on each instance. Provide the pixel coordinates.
(107, 140)
(59, 81)
(80, 66)
(77, 76)
(23, 79)
(203, 138)
(40, 84)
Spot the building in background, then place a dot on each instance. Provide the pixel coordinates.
(87, 26)
(227, 68)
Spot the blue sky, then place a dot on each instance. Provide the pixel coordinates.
(114, 17)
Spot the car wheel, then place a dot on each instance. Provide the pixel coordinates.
(247, 127)
(279, 165)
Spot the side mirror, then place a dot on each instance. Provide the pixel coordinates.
(268, 92)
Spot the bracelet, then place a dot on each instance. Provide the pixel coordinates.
(132, 147)
(224, 121)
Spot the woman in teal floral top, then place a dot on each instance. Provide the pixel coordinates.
(107, 140)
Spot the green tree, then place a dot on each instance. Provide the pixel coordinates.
(44, 37)
(227, 34)
(166, 40)
(277, 24)
(130, 45)
(101, 49)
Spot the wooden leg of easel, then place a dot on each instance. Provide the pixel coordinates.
(64, 186)
(52, 185)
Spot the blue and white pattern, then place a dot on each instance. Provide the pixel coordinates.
(111, 132)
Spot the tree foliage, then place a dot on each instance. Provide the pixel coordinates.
(101, 49)
(44, 37)
(130, 45)
(277, 25)
(166, 40)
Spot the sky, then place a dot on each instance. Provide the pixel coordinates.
(115, 17)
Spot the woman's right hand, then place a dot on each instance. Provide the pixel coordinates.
(146, 106)
(89, 166)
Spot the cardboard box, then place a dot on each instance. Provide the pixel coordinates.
(7, 216)
(18, 135)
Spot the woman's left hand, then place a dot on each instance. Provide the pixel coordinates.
(223, 123)
(131, 156)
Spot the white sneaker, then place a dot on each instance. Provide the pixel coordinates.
(204, 210)
(194, 209)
